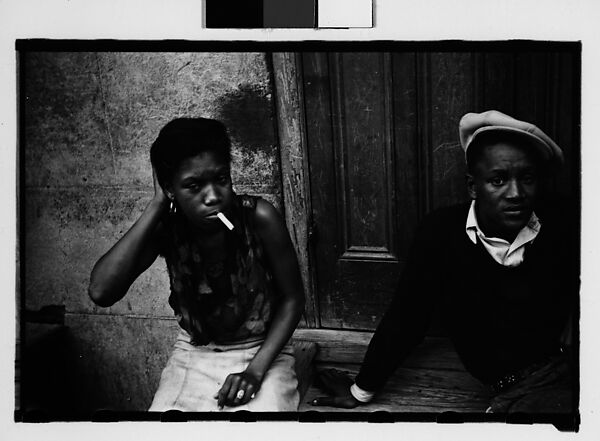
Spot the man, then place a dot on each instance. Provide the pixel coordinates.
(503, 269)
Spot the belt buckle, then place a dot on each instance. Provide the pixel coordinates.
(505, 382)
(510, 379)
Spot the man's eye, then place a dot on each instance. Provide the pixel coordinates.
(223, 179)
(528, 179)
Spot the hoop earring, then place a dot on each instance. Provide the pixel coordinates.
(172, 207)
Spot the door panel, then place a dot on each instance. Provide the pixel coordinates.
(353, 206)
(363, 151)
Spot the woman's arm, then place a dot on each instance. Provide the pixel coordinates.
(116, 270)
(290, 306)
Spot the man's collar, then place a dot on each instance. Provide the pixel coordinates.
(472, 227)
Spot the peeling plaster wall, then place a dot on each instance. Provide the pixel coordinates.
(90, 119)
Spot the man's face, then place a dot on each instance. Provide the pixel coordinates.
(504, 184)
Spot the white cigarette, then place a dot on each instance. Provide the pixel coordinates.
(226, 221)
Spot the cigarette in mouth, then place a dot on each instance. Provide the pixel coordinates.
(226, 221)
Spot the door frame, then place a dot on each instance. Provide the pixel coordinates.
(295, 179)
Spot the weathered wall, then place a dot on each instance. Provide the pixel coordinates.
(90, 119)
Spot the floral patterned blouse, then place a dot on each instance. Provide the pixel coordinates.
(226, 301)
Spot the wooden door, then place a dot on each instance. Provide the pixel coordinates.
(362, 222)
(383, 149)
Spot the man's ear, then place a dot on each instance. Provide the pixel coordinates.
(471, 186)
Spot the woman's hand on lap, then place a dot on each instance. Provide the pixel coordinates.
(337, 384)
(230, 395)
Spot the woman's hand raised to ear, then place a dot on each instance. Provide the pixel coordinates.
(160, 195)
(116, 270)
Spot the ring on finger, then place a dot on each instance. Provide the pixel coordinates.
(240, 394)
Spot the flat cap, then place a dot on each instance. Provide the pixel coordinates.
(473, 124)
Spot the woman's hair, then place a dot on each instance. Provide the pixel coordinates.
(183, 138)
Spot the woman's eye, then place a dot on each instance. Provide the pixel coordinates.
(497, 181)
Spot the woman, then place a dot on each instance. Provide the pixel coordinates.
(237, 293)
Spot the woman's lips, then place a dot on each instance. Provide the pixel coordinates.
(211, 216)
(219, 216)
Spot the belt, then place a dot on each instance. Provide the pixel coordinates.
(513, 378)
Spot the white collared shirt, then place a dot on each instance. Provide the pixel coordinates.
(503, 252)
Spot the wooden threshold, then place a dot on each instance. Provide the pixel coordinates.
(414, 390)
(431, 380)
(335, 346)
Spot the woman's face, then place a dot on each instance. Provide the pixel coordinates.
(201, 187)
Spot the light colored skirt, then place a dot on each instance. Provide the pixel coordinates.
(194, 375)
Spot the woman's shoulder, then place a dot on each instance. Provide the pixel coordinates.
(260, 209)
(265, 218)
(265, 211)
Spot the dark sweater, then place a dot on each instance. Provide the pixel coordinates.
(499, 318)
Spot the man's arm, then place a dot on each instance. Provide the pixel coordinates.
(402, 327)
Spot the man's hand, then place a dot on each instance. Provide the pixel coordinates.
(337, 384)
(238, 389)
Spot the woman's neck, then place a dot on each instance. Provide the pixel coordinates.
(212, 245)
